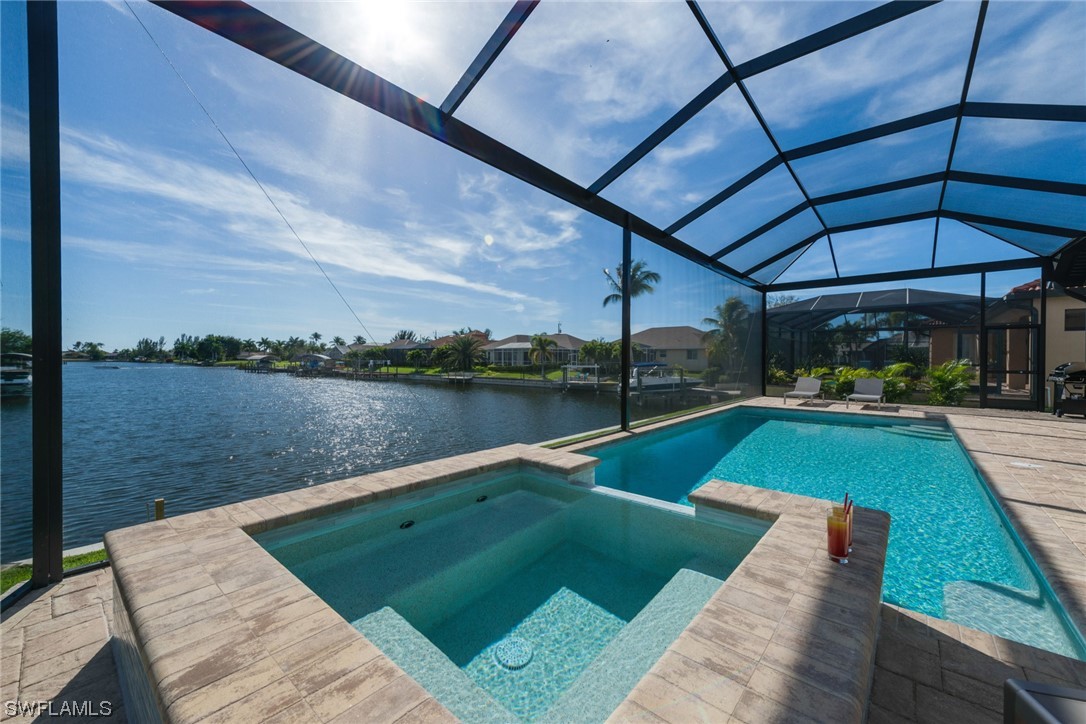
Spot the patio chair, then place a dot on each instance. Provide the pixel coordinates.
(806, 388)
(868, 389)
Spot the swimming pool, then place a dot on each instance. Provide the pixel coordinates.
(952, 554)
(518, 598)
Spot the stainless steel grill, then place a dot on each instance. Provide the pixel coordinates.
(1068, 389)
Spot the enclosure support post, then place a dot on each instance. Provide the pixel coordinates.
(982, 342)
(765, 343)
(626, 369)
(1040, 377)
(47, 451)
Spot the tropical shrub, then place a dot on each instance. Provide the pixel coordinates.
(949, 382)
(606, 354)
(898, 384)
(844, 380)
(776, 376)
(822, 372)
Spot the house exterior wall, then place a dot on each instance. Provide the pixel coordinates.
(1063, 345)
(944, 345)
(689, 359)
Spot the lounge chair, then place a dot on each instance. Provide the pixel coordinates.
(806, 387)
(868, 389)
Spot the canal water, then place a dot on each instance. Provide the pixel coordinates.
(202, 437)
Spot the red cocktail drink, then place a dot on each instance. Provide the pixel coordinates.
(837, 537)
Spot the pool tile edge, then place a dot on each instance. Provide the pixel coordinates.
(216, 653)
(807, 627)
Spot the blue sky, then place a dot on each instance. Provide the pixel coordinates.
(166, 233)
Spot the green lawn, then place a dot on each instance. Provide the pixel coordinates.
(17, 574)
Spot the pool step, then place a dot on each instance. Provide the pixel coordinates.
(921, 431)
(425, 663)
(1012, 613)
(603, 685)
(418, 570)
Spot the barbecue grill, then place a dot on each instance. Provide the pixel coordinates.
(1069, 389)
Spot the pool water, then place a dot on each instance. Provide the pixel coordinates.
(519, 598)
(951, 553)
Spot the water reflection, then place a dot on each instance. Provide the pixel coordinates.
(202, 437)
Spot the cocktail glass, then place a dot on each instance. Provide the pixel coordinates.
(837, 537)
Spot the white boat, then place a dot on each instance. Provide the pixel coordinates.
(656, 378)
(15, 374)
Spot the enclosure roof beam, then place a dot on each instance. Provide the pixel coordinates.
(1011, 111)
(715, 42)
(958, 121)
(844, 30)
(501, 37)
(264, 35)
(924, 273)
(962, 216)
(984, 179)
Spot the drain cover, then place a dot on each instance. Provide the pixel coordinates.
(513, 653)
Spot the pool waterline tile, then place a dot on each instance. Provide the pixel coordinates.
(148, 538)
(236, 673)
(750, 440)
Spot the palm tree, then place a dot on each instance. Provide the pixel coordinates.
(462, 353)
(265, 344)
(316, 337)
(642, 280)
(540, 351)
(338, 341)
(359, 339)
(407, 334)
(731, 323)
(416, 357)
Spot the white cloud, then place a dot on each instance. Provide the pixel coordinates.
(580, 83)
(1032, 52)
(14, 138)
(524, 233)
(704, 141)
(914, 64)
(156, 187)
(153, 254)
(750, 29)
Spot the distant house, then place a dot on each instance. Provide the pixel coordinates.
(674, 346)
(1011, 346)
(338, 351)
(398, 349)
(448, 338)
(515, 351)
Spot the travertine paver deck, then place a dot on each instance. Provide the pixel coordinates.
(56, 649)
(929, 670)
(790, 636)
(926, 669)
(224, 632)
(934, 671)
